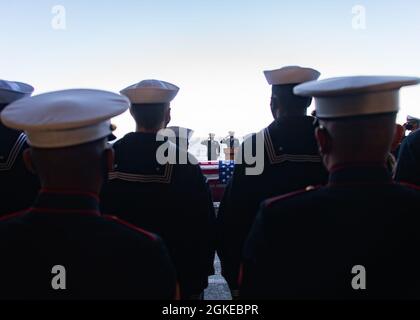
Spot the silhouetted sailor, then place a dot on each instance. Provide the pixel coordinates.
(232, 145)
(230, 141)
(358, 236)
(62, 248)
(167, 197)
(19, 186)
(213, 147)
(290, 158)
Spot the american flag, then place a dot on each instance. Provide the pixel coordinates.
(218, 174)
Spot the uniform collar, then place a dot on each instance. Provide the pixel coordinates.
(302, 126)
(373, 173)
(67, 202)
(290, 121)
(145, 137)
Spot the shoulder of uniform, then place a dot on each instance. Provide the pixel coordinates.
(270, 202)
(120, 141)
(250, 136)
(13, 215)
(115, 146)
(409, 185)
(411, 142)
(414, 136)
(115, 219)
(126, 138)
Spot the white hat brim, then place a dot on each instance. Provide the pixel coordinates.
(355, 96)
(291, 75)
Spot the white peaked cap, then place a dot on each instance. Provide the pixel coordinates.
(411, 118)
(151, 91)
(291, 75)
(355, 96)
(11, 91)
(65, 118)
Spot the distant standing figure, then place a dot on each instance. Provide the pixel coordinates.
(231, 141)
(213, 147)
(232, 145)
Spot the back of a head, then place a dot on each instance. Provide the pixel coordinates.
(283, 100)
(150, 101)
(82, 164)
(149, 116)
(361, 139)
(287, 102)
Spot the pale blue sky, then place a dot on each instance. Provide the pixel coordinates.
(214, 50)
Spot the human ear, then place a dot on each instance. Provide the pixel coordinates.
(167, 117)
(27, 160)
(324, 140)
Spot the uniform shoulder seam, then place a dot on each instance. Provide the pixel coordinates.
(13, 215)
(149, 235)
(269, 202)
(409, 185)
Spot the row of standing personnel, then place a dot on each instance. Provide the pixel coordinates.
(302, 245)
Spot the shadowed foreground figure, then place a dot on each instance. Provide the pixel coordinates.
(305, 245)
(291, 162)
(19, 186)
(103, 257)
(408, 168)
(171, 199)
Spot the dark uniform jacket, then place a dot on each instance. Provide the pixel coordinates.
(305, 245)
(291, 162)
(408, 168)
(171, 200)
(213, 149)
(103, 257)
(18, 186)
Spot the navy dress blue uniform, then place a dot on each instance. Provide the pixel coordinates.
(171, 200)
(213, 149)
(104, 258)
(291, 162)
(19, 186)
(305, 245)
(408, 167)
